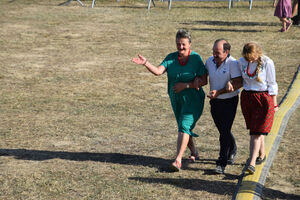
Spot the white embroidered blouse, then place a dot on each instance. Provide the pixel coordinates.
(267, 75)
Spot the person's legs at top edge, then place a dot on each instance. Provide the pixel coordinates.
(294, 7)
(296, 18)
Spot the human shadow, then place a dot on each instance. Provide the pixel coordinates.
(276, 194)
(118, 158)
(211, 172)
(207, 161)
(226, 30)
(262, 192)
(226, 176)
(216, 187)
(127, 6)
(229, 23)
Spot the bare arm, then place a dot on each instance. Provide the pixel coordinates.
(141, 60)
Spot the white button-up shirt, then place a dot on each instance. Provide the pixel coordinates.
(219, 76)
(267, 76)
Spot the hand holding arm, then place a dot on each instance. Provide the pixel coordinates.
(229, 87)
(234, 84)
(201, 81)
(197, 83)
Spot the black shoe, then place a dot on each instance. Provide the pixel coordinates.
(219, 169)
(260, 160)
(231, 158)
(250, 169)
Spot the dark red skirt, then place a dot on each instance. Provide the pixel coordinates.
(258, 111)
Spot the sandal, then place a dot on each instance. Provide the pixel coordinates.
(288, 25)
(175, 166)
(282, 30)
(250, 169)
(260, 160)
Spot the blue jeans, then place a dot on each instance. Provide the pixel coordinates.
(223, 113)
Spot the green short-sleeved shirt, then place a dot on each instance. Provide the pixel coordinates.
(188, 104)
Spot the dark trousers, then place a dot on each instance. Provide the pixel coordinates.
(223, 112)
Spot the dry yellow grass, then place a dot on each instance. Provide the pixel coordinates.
(80, 121)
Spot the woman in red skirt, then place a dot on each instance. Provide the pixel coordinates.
(258, 99)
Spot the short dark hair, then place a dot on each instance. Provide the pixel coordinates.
(226, 45)
(183, 33)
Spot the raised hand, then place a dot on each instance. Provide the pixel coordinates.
(140, 60)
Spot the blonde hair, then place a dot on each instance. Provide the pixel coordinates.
(253, 52)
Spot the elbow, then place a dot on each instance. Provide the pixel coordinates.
(239, 86)
(157, 74)
(203, 83)
(158, 71)
(236, 87)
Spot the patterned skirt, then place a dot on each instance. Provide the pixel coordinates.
(258, 111)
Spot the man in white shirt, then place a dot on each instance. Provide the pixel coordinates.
(222, 68)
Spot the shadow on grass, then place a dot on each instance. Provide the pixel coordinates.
(226, 30)
(262, 192)
(216, 187)
(124, 6)
(119, 158)
(228, 23)
(127, 159)
(209, 172)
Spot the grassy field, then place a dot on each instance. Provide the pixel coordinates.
(80, 121)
